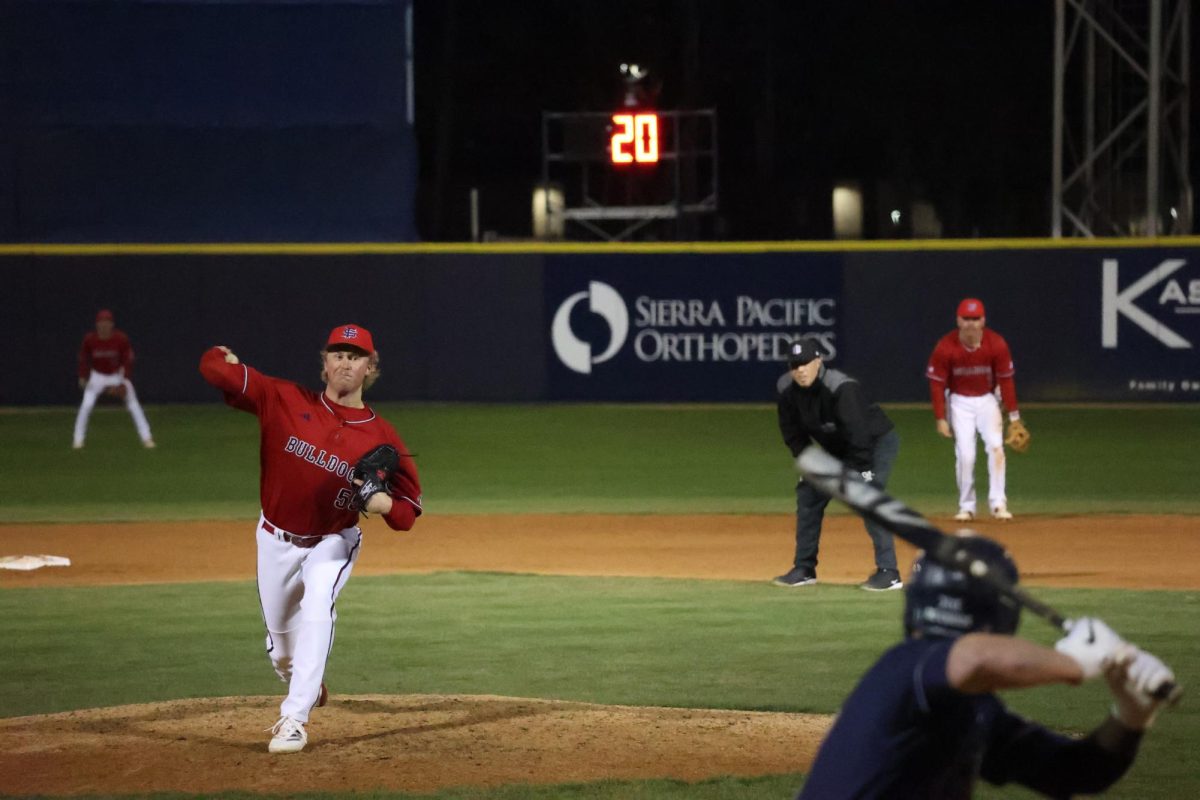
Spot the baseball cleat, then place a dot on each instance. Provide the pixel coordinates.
(884, 580)
(289, 736)
(1001, 512)
(796, 577)
(323, 696)
(964, 516)
(77, 445)
(149, 444)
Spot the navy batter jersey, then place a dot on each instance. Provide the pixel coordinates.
(906, 733)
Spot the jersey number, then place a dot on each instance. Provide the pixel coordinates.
(344, 496)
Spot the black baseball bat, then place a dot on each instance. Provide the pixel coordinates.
(834, 478)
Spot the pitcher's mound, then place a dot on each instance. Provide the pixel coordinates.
(394, 742)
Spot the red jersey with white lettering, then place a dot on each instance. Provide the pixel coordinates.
(970, 372)
(106, 356)
(308, 448)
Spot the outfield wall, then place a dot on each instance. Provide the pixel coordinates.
(1087, 322)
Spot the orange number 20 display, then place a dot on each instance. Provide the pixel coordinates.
(635, 138)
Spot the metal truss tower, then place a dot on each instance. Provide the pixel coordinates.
(1121, 105)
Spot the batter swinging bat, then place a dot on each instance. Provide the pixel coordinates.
(831, 476)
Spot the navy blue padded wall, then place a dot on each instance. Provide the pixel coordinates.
(205, 121)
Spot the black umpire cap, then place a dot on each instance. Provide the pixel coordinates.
(802, 351)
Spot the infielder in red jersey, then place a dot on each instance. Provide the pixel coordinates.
(105, 367)
(308, 535)
(971, 365)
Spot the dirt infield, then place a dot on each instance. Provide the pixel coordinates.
(1101, 551)
(422, 743)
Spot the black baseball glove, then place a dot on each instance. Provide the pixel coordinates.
(375, 469)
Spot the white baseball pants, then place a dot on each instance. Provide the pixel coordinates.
(298, 588)
(97, 383)
(969, 416)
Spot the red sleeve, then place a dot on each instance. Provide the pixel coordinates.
(937, 396)
(936, 372)
(1008, 394)
(405, 489)
(85, 357)
(243, 387)
(402, 517)
(1002, 363)
(406, 498)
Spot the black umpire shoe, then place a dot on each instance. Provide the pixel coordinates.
(798, 576)
(883, 580)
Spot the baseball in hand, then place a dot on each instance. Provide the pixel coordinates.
(230, 358)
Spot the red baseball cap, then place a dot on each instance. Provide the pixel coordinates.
(970, 307)
(104, 313)
(353, 335)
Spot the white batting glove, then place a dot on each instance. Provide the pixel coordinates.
(1133, 677)
(1091, 643)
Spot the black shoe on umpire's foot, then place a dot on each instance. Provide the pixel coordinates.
(884, 580)
(798, 576)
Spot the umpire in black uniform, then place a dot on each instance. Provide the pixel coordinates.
(827, 406)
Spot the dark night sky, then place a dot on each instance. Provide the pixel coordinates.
(947, 100)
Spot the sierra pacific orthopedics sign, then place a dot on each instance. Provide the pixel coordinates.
(687, 330)
(683, 330)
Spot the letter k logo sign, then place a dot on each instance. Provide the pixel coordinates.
(1121, 303)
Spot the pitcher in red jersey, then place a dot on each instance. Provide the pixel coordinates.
(308, 535)
(971, 365)
(105, 367)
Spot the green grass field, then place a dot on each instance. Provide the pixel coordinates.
(704, 644)
(584, 458)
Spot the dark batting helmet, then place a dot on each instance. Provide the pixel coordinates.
(947, 602)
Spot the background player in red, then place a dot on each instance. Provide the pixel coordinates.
(105, 366)
(308, 538)
(970, 365)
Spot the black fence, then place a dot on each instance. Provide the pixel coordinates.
(1086, 323)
